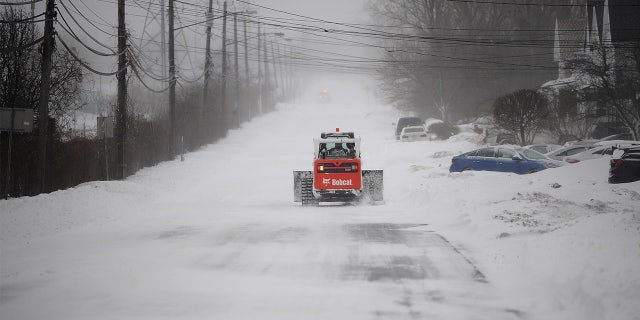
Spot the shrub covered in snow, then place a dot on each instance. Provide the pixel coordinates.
(444, 130)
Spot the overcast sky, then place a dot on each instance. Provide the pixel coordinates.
(332, 10)
(103, 14)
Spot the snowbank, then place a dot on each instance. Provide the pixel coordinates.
(558, 244)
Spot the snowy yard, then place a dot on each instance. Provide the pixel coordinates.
(218, 236)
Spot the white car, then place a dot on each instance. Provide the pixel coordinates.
(544, 148)
(414, 133)
(601, 149)
(560, 154)
(617, 143)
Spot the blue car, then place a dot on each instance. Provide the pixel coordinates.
(504, 159)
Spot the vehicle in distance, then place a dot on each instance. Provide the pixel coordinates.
(503, 159)
(324, 96)
(407, 122)
(625, 165)
(337, 174)
(414, 133)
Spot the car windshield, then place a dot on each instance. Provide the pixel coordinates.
(541, 149)
(576, 151)
(532, 154)
(413, 129)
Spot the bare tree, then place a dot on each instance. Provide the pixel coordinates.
(610, 76)
(566, 121)
(522, 113)
(20, 84)
(449, 59)
(20, 70)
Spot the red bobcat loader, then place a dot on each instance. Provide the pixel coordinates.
(337, 174)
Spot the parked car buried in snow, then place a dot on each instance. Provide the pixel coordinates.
(592, 153)
(504, 159)
(560, 154)
(600, 149)
(544, 148)
(406, 122)
(625, 165)
(414, 133)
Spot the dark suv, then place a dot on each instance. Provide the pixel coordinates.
(407, 122)
(625, 165)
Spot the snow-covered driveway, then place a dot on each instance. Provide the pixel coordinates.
(219, 237)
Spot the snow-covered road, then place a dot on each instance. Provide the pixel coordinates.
(218, 236)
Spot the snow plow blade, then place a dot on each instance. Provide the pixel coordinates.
(298, 176)
(373, 184)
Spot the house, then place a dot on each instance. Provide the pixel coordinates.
(610, 23)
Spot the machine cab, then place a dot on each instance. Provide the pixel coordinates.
(337, 164)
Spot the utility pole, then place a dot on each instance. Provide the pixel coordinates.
(163, 32)
(275, 72)
(237, 104)
(172, 85)
(259, 74)
(246, 55)
(266, 75)
(45, 83)
(287, 65)
(207, 63)
(246, 71)
(281, 67)
(224, 66)
(122, 91)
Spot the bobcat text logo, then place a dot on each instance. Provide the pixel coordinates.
(341, 182)
(337, 182)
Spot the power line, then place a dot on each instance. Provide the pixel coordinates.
(134, 68)
(89, 20)
(19, 3)
(73, 34)
(94, 13)
(84, 64)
